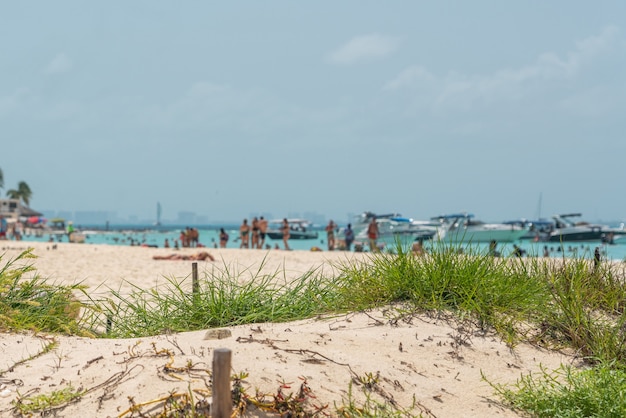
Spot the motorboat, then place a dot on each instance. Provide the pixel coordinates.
(537, 230)
(568, 229)
(616, 235)
(393, 228)
(300, 229)
(462, 227)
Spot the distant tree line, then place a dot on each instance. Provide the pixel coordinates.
(22, 192)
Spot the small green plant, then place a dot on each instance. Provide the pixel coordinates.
(45, 403)
(568, 392)
(373, 408)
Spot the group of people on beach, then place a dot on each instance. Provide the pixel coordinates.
(189, 238)
(344, 244)
(12, 231)
(250, 235)
(348, 236)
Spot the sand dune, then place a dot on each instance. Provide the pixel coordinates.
(433, 361)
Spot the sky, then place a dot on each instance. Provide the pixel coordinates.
(503, 109)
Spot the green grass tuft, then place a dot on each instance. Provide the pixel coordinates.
(34, 304)
(567, 392)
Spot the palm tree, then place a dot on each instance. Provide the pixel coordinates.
(1, 179)
(23, 193)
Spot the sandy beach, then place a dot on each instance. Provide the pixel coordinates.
(436, 363)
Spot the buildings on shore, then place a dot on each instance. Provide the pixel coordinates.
(13, 210)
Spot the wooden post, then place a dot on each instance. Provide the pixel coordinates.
(194, 277)
(222, 398)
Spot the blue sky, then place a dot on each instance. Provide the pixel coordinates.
(231, 108)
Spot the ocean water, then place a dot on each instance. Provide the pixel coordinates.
(209, 237)
(149, 236)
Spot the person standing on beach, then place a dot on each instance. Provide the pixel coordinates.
(372, 234)
(194, 237)
(330, 235)
(70, 231)
(223, 238)
(493, 245)
(285, 231)
(3, 227)
(255, 233)
(244, 234)
(262, 231)
(349, 237)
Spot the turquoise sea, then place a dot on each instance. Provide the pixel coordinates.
(155, 237)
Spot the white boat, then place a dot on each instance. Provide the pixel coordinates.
(393, 228)
(618, 236)
(461, 227)
(567, 229)
(298, 229)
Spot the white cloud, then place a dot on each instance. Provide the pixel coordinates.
(59, 64)
(364, 47)
(412, 76)
(600, 43)
(465, 91)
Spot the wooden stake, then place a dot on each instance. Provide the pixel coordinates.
(222, 398)
(194, 277)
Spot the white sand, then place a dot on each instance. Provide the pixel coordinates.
(437, 363)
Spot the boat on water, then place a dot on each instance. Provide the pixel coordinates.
(393, 228)
(462, 227)
(568, 229)
(537, 230)
(300, 229)
(618, 236)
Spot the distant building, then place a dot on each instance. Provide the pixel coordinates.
(14, 209)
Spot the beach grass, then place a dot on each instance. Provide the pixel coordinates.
(556, 303)
(221, 300)
(35, 304)
(494, 291)
(567, 392)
